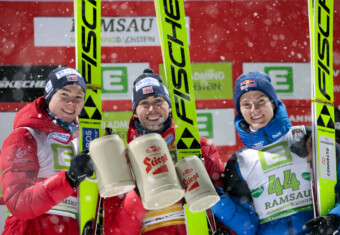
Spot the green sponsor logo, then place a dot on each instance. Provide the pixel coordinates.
(282, 78)
(257, 192)
(114, 80)
(62, 156)
(205, 125)
(210, 80)
(275, 155)
(306, 176)
(118, 122)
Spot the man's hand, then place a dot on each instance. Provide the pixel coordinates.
(325, 225)
(81, 167)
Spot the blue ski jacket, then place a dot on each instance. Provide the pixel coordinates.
(267, 188)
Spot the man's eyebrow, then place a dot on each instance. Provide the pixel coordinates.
(69, 90)
(247, 99)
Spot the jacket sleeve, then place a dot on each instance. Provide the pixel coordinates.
(25, 195)
(212, 161)
(123, 214)
(235, 209)
(239, 217)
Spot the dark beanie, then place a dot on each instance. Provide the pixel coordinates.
(253, 81)
(59, 78)
(148, 84)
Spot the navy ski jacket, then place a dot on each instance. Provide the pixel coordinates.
(267, 188)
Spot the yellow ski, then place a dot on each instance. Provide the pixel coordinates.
(175, 51)
(87, 16)
(323, 123)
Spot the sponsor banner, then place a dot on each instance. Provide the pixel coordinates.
(19, 83)
(118, 78)
(23, 83)
(300, 116)
(210, 80)
(290, 80)
(217, 125)
(119, 122)
(115, 31)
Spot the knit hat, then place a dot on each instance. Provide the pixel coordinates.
(148, 84)
(59, 78)
(254, 81)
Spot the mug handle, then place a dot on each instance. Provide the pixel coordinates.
(93, 178)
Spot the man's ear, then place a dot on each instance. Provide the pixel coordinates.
(135, 115)
(170, 110)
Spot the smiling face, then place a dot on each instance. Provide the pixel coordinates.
(152, 112)
(256, 109)
(67, 102)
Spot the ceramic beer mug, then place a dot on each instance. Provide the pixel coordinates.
(113, 173)
(154, 172)
(200, 194)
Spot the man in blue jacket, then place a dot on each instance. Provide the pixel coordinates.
(267, 188)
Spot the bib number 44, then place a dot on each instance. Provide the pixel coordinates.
(289, 181)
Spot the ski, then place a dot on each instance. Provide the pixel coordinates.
(323, 123)
(87, 20)
(175, 51)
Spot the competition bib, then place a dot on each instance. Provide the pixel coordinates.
(172, 215)
(54, 154)
(68, 207)
(278, 179)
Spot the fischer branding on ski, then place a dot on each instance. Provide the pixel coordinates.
(176, 57)
(87, 16)
(175, 51)
(324, 159)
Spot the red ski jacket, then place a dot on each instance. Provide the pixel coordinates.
(125, 214)
(33, 162)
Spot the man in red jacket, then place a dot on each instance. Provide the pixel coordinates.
(39, 174)
(125, 214)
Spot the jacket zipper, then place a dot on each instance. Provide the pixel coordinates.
(290, 226)
(269, 139)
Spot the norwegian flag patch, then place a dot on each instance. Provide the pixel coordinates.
(147, 90)
(72, 78)
(148, 81)
(247, 83)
